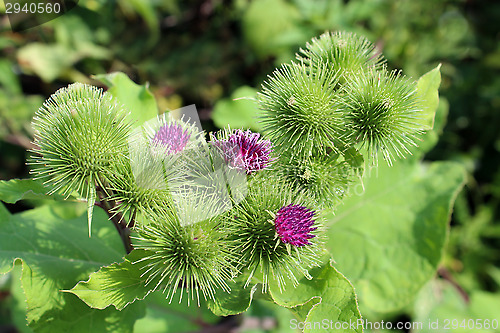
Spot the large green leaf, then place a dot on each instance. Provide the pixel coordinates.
(13, 190)
(389, 235)
(238, 111)
(136, 98)
(164, 317)
(4, 216)
(55, 254)
(485, 305)
(18, 307)
(235, 302)
(328, 299)
(118, 284)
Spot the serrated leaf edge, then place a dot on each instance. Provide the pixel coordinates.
(331, 262)
(105, 307)
(44, 196)
(23, 265)
(252, 292)
(438, 69)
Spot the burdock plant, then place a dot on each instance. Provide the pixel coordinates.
(81, 133)
(213, 218)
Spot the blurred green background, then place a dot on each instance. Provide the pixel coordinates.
(208, 52)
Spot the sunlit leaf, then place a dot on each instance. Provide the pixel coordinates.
(327, 296)
(238, 111)
(137, 99)
(14, 190)
(55, 254)
(389, 235)
(427, 88)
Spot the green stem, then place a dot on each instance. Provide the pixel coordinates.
(118, 219)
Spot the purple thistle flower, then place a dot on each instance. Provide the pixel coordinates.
(293, 224)
(172, 137)
(245, 151)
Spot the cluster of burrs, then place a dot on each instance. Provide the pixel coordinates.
(334, 107)
(243, 206)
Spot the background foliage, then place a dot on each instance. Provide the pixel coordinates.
(209, 53)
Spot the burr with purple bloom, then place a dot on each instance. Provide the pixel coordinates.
(294, 224)
(245, 150)
(172, 137)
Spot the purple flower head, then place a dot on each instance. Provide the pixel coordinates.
(245, 151)
(294, 223)
(172, 137)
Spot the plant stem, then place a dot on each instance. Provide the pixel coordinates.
(446, 275)
(118, 219)
(22, 141)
